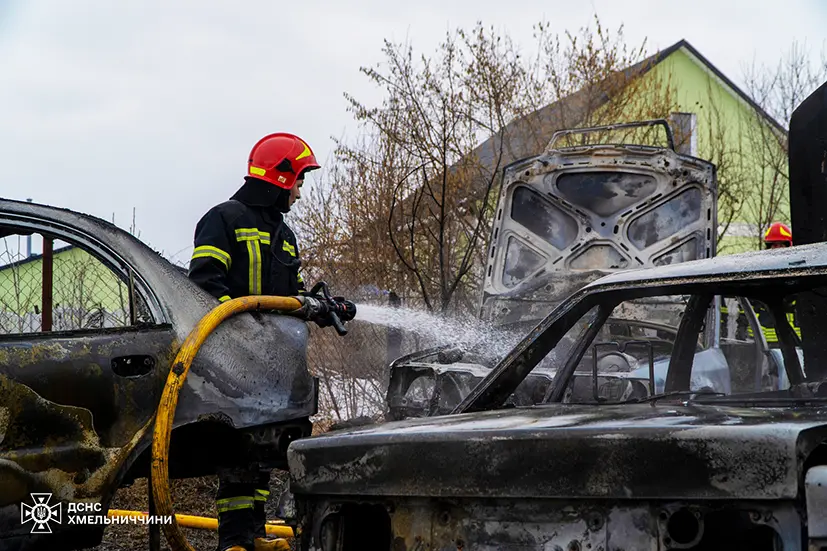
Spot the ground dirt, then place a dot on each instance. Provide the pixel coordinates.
(193, 496)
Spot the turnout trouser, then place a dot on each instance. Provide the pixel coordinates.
(242, 495)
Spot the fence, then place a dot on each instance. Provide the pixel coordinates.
(61, 289)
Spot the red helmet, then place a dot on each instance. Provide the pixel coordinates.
(280, 159)
(779, 233)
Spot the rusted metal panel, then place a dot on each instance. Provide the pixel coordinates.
(408, 524)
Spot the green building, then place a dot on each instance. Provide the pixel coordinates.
(735, 133)
(85, 293)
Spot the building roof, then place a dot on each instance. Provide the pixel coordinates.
(572, 108)
(33, 258)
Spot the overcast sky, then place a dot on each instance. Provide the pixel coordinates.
(111, 104)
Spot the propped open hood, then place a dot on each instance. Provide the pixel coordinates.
(571, 216)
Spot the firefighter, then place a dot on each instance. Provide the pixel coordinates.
(244, 247)
(767, 322)
(778, 236)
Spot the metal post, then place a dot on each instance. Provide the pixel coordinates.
(685, 128)
(29, 239)
(133, 314)
(48, 276)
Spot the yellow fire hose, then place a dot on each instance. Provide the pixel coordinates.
(205, 523)
(169, 400)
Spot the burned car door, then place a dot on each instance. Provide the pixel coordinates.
(83, 358)
(76, 329)
(90, 320)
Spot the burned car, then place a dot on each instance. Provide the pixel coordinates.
(567, 217)
(88, 330)
(600, 454)
(731, 348)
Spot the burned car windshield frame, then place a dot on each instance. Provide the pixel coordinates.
(493, 391)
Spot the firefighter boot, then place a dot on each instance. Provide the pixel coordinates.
(235, 504)
(278, 544)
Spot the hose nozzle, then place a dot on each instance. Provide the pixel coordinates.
(326, 310)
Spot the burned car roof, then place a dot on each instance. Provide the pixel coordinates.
(756, 265)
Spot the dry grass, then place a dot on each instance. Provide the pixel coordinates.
(194, 496)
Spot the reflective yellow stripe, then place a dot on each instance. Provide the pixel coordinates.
(254, 252)
(225, 298)
(289, 248)
(233, 504)
(257, 171)
(254, 238)
(791, 320)
(299, 278)
(207, 251)
(211, 255)
(261, 495)
(252, 234)
(305, 152)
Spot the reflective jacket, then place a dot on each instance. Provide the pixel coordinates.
(243, 247)
(767, 322)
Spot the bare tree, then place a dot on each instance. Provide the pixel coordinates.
(430, 156)
(408, 203)
(593, 78)
(723, 144)
(436, 191)
(778, 90)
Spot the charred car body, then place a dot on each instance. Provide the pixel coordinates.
(568, 217)
(645, 411)
(601, 458)
(80, 386)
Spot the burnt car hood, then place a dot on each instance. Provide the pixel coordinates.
(568, 451)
